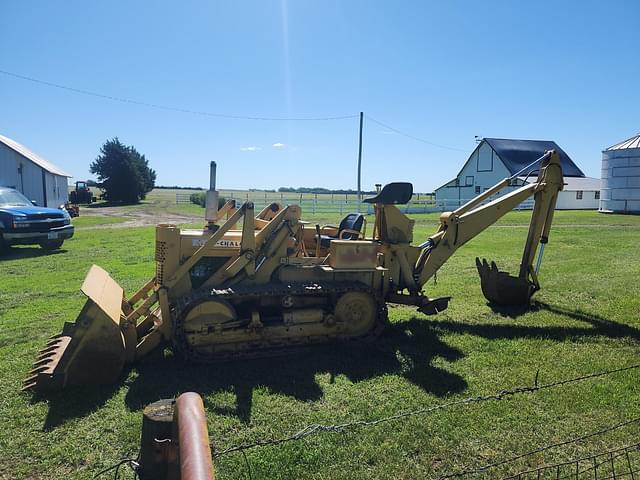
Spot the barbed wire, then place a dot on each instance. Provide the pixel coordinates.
(132, 463)
(174, 109)
(538, 450)
(316, 428)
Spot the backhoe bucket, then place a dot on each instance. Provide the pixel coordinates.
(90, 351)
(500, 288)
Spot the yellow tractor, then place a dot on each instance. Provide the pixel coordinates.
(268, 282)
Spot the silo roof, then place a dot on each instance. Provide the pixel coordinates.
(633, 142)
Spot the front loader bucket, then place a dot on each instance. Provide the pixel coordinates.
(503, 289)
(90, 351)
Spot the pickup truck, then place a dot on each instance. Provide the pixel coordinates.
(22, 222)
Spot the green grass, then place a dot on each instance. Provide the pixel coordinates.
(585, 319)
(85, 220)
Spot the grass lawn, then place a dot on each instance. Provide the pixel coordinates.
(584, 319)
(85, 221)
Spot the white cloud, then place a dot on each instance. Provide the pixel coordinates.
(250, 149)
(278, 145)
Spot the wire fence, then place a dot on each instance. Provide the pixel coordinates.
(356, 424)
(617, 463)
(341, 204)
(577, 463)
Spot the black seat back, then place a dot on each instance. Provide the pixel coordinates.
(393, 194)
(353, 221)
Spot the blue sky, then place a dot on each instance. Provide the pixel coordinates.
(442, 71)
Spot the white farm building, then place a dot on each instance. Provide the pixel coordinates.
(495, 159)
(32, 175)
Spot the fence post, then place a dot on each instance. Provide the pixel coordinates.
(157, 423)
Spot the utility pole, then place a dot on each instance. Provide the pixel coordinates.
(360, 162)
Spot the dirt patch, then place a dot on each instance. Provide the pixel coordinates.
(138, 217)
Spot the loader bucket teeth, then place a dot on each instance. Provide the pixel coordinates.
(89, 351)
(503, 289)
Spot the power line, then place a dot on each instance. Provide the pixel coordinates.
(170, 108)
(158, 106)
(413, 137)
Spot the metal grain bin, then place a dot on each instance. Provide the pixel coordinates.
(620, 190)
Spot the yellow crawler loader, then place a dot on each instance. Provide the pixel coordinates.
(267, 283)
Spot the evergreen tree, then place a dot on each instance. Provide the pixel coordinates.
(123, 173)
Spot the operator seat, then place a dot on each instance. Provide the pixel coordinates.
(349, 229)
(394, 193)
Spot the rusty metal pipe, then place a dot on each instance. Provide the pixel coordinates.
(193, 438)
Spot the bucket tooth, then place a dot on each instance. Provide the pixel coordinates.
(44, 361)
(38, 370)
(52, 351)
(54, 340)
(48, 349)
(42, 355)
(30, 380)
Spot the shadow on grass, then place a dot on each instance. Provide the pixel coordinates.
(73, 403)
(405, 349)
(600, 326)
(16, 253)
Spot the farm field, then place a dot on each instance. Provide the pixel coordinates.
(585, 319)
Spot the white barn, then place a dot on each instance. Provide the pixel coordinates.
(32, 175)
(496, 158)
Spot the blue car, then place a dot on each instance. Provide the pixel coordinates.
(24, 223)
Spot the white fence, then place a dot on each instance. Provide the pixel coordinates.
(183, 198)
(319, 205)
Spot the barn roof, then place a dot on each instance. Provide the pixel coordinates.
(517, 154)
(35, 158)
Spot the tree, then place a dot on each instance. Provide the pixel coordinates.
(123, 173)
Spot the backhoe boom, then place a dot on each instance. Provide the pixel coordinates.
(460, 226)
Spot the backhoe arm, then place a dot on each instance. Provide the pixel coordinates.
(460, 226)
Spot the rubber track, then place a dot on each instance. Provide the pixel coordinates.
(237, 293)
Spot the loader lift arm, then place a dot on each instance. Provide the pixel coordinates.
(463, 224)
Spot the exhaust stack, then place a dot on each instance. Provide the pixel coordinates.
(211, 211)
